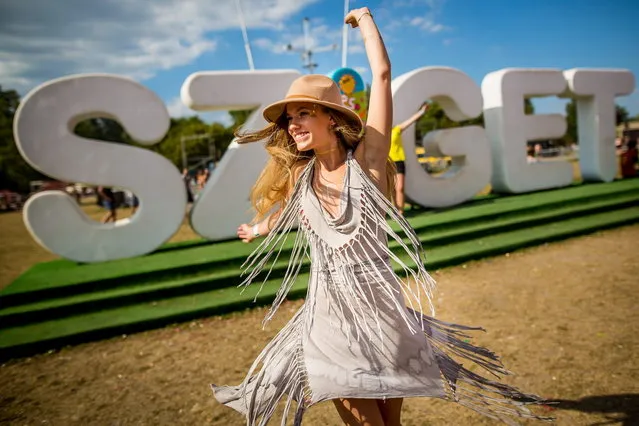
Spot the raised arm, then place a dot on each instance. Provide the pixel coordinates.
(373, 153)
(406, 124)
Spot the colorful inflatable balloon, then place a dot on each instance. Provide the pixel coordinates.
(353, 90)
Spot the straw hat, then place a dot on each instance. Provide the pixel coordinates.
(317, 89)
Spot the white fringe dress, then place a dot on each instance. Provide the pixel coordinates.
(361, 332)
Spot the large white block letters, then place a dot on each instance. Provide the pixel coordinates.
(46, 118)
(460, 99)
(595, 91)
(44, 126)
(509, 128)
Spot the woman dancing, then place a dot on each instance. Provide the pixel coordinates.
(361, 339)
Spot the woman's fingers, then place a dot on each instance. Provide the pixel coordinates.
(354, 15)
(351, 20)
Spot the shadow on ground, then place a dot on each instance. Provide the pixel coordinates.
(622, 409)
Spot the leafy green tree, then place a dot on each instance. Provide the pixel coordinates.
(529, 108)
(15, 172)
(621, 114)
(240, 117)
(103, 129)
(571, 135)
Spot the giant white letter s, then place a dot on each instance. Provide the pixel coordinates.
(44, 126)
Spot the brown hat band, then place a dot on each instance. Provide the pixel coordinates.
(302, 96)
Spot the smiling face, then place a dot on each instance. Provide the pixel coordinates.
(309, 126)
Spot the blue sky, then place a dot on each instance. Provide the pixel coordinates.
(162, 42)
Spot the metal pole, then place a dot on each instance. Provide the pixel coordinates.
(183, 152)
(308, 50)
(306, 23)
(247, 46)
(345, 36)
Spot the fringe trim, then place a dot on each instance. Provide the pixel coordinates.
(361, 254)
(262, 393)
(274, 243)
(487, 397)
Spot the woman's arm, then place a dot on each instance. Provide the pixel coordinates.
(406, 124)
(374, 151)
(248, 233)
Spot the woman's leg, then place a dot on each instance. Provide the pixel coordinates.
(359, 412)
(391, 410)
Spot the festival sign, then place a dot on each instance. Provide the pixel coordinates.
(495, 154)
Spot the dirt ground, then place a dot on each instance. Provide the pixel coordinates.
(563, 317)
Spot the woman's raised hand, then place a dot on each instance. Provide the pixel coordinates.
(355, 15)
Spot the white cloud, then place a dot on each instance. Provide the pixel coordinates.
(355, 42)
(362, 70)
(321, 38)
(423, 14)
(427, 24)
(42, 39)
(177, 108)
(269, 45)
(222, 117)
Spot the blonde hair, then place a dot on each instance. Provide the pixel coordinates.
(278, 177)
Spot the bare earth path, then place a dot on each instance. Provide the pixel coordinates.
(564, 317)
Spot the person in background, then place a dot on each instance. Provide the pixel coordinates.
(629, 158)
(186, 178)
(530, 154)
(107, 199)
(538, 149)
(134, 202)
(398, 156)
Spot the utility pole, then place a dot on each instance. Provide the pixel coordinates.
(345, 35)
(247, 45)
(308, 50)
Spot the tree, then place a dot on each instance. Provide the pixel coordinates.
(240, 117)
(571, 135)
(621, 114)
(103, 129)
(529, 108)
(15, 172)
